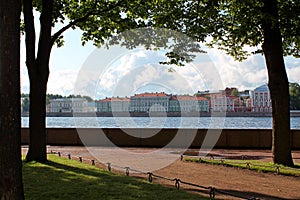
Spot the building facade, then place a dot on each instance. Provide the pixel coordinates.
(186, 103)
(228, 100)
(149, 102)
(223, 104)
(114, 104)
(68, 105)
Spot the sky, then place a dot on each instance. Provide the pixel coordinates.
(100, 73)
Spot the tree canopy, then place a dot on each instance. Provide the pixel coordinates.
(295, 96)
(242, 28)
(97, 19)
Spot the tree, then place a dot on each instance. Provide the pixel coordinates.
(295, 96)
(271, 27)
(11, 186)
(54, 96)
(25, 104)
(24, 95)
(88, 98)
(102, 18)
(234, 92)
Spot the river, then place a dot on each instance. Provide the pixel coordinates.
(162, 122)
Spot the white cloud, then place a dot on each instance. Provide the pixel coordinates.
(149, 73)
(222, 71)
(24, 80)
(116, 70)
(245, 75)
(62, 82)
(294, 74)
(139, 70)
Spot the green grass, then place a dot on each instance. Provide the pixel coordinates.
(251, 164)
(61, 178)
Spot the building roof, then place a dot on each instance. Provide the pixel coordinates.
(262, 88)
(156, 94)
(202, 99)
(187, 98)
(114, 99)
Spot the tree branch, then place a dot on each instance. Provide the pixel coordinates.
(82, 19)
(29, 34)
(72, 23)
(45, 46)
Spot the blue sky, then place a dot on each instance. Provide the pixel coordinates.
(137, 71)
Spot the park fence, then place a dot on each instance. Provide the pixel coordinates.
(212, 191)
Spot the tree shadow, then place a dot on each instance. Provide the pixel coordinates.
(53, 180)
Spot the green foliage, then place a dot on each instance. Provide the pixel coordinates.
(294, 96)
(25, 104)
(58, 96)
(103, 18)
(230, 25)
(54, 96)
(69, 179)
(179, 48)
(255, 165)
(24, 95)
(89, 99)
(234, 92)
(107, 23)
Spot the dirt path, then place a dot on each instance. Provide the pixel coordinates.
(246, 183)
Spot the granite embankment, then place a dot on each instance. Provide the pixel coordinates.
(166, 137)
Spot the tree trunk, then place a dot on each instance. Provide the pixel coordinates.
(37, 117)
(38, 71)
(278, 85)
(11, 186)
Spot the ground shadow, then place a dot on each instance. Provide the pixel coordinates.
(54, 180)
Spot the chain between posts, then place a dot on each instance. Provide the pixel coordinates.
(212, 191)
(248, 165)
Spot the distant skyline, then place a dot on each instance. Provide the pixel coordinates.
(138, 72)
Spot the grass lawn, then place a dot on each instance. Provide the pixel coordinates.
(252, 164)
(61, 178)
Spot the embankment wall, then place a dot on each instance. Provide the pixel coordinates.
(138, 137)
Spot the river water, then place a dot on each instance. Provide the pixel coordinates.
(162, 122)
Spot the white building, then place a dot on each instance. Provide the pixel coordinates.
(69, 105)
(261, 99)
(149, 102)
